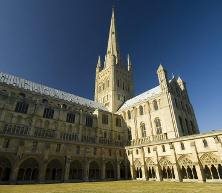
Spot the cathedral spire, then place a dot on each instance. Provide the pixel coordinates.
(113, 48)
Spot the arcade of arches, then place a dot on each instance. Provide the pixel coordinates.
(208, 169)
(31, 170)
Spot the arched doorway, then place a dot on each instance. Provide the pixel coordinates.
(28, 171)
(5, 169)
(94, 171)
(76, 170)
(54, 171)
(109, 170)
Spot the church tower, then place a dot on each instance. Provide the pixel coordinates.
(113, 84)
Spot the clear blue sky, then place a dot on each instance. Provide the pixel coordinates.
(57, 42)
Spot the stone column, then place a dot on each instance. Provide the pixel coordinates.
(199, 169)
(132, 170)
(144, 172)
(176, 172)
(176, 167)
(103, 170)
(199, 173)
(14, 174)
(67, 168)
(126, 170)
(158, 169)
(118, 171)
(42, 172)
(86, 171)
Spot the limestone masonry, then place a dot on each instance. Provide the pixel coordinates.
(47, 135)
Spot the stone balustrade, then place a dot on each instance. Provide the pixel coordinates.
(23, 130)
(149, 139)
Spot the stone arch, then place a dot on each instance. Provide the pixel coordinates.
(187, 168)
(109, 170)
(165, 162)
(28, 170)
(94, 170)
(5, 169)
(167, 170)
(212, 166)
(209, 159)
(151, 172)
(150, 162)
(184, 160)
(54, 170)
(137, 163)
(76, 170)
(138, 167)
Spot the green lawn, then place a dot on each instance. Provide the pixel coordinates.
(115, 187)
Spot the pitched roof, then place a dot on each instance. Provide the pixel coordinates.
(47, 91)
(140, 98)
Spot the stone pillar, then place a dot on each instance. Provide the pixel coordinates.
(42, 172)
(103, 171)
(176, 172)
(67, 168)
(86, 171)
(132, 170)
(14, 174)
(199, 173)
(158, 173)
(144, 172)
(199, 169)
(158, 169)
(126, 171)
(118, 171)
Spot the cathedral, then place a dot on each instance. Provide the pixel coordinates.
(50, 136)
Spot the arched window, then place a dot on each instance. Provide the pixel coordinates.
(143, 129)
(148, 149)
(129, 114)
(141, 110)
(205, 143)
(158, 126)
(182, 146)
(155, 105)
(21, 107)
(163, 148)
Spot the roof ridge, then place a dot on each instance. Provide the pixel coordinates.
(18, 82)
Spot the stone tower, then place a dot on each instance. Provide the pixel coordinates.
(113, 84)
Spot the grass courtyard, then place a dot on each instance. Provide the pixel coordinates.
(115, 187)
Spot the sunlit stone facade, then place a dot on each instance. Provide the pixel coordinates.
(47, 135)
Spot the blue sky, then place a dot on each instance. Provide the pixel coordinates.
(57, 42)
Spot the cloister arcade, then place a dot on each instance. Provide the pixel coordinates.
(187, 168)
(5, 169)
(28, 171)
(212, 166)
(34, 170)
(76, 170)
(150, 165)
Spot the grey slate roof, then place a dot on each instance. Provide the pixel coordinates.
(21, 83)
(140, 98)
